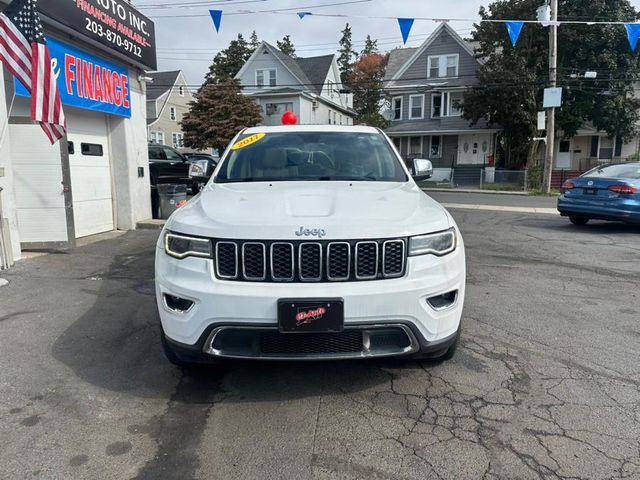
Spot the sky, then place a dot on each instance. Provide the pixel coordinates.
(187, 40)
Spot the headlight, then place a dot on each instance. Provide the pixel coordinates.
(198, 168)
(438, 244)
(181, 246)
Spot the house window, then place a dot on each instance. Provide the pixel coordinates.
(335, 117)
(172, 113)
(436, 105)
(435, 149)
(266, 78)
(396, 104)
(455, 99)
(181, 91)
(340, 119)
(91, 149)
(278, 108)
(443, 66)
(415, 146)
(177, 139)
(605, 151)
(329, 117)
(443, 104)
(416, 104)
(156, 137)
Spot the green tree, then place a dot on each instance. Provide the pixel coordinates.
(286, 46)
(218, 112)
(370, 46)
(365, 81)
(346, 54)
(512, 79)
(227, 63)
(253, 41)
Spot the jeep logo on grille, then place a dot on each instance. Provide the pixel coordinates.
(311, 232)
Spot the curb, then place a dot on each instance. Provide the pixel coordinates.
(150, 224)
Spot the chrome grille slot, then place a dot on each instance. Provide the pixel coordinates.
(338, 261)
(254, 265)
(310, 262)
(227, 260)
(393, 258)
(366, 260)
(282, 262)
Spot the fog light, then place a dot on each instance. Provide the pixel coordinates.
(443, 301)
(177, 304)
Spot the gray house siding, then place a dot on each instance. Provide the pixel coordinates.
(429, 123)
(444, 44)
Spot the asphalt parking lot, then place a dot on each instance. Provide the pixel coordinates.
(546, 384)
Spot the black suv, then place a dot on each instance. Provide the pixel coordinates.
(167, 165)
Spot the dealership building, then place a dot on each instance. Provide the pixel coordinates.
(96, 179)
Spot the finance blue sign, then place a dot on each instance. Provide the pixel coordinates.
(86, 81)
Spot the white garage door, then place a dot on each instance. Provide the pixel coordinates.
(37, 174)
(89, 164)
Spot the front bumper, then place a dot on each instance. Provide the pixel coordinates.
(400, 302)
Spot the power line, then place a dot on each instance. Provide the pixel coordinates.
(273, 11)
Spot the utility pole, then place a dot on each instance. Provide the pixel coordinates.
(551, 114)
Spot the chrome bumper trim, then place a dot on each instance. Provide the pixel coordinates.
(366, 352)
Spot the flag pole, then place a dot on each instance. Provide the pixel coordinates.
(6, 124)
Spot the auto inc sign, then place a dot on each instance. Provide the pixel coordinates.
(113, 23)
(86, 81)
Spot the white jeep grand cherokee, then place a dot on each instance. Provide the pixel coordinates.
(310, 242)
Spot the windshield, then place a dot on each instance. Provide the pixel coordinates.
(300, 156)
(631, 170)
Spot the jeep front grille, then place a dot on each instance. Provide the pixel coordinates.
(309, 261)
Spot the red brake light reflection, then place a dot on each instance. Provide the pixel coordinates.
(624, 189)
(568, 185)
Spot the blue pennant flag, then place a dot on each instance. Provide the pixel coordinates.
(405, 28)
(514, 29)
(216, 16)
(304, 14)
(633, 33)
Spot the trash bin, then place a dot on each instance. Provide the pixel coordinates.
(172, 196)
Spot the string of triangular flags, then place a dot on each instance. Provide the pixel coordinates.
(513, 27)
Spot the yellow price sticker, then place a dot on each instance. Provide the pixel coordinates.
(245, 142)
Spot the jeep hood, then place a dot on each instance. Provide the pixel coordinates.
(344, 210)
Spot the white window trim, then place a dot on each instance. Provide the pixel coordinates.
(442, 65)
(155, 135)
(266, 80)
(393, 101)
(181, 90)
(459, 114)
(173, 114)
(411, 117)
(431, 145)
(444, 106)
(181, 136)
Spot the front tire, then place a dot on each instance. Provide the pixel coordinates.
(578, 220)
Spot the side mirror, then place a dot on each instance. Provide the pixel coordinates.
(201, 170)
(422, 169)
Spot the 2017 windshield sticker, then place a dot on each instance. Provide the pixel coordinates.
(245, 142)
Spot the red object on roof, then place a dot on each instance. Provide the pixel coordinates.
(289, 118)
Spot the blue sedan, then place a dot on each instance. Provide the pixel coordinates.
(609, 192)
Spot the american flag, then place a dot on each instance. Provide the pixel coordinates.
(24, 51)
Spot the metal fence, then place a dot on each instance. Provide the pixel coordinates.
(479, 177)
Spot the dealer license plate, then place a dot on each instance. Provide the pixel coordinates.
(310, 315)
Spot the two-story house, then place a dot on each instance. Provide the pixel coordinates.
(168, 98)
(425, 86)
(310, 87)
